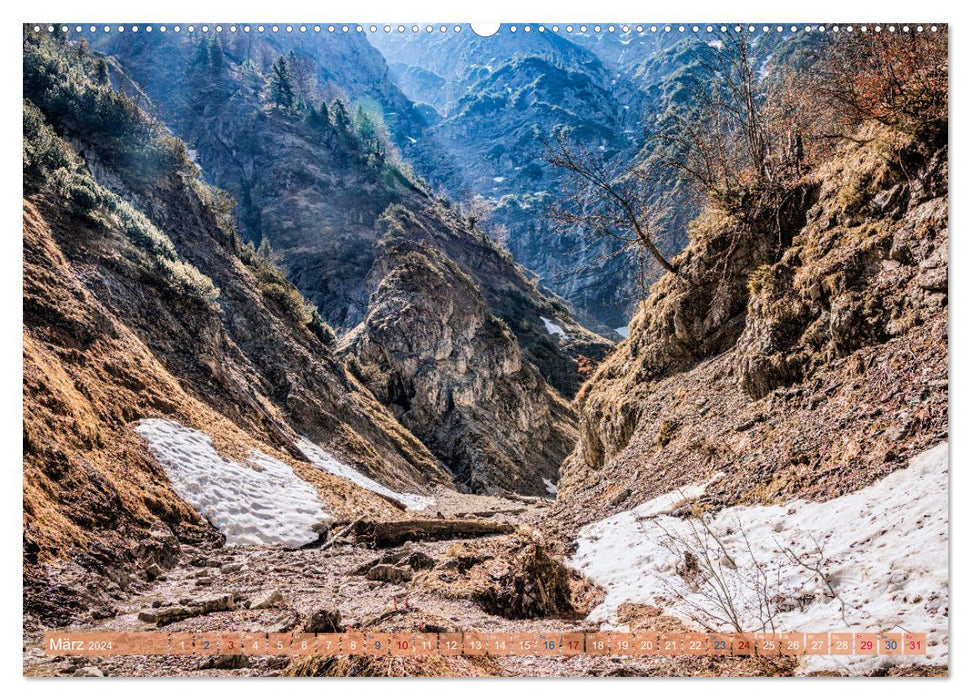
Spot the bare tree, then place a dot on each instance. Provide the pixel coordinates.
(724, 137)
(477, 210)
(600, 200)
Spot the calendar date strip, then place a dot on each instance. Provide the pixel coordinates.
(563, 644)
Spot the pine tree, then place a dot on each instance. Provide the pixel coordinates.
(201, 55)
(313, 117)
(365, 127)
(215, 56)
(369, 132)
(281, 84)
(101, 72)
(339, 117)
(318, 119)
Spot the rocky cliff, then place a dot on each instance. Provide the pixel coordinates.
(453, 373)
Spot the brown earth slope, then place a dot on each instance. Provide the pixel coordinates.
(800, 355)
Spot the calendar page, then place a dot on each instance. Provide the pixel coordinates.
(463, 350)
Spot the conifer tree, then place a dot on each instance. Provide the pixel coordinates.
(281, 84)
(215, 56)
(339, 117)
(365, 127)
(201, 55)
(101, 72)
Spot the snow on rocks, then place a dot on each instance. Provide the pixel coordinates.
(869, 561)
(553, 328)
(260, 501)
(325, 462)
(550, 487)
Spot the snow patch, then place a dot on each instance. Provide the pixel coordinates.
(552, 328)
(550, 487)
(327, 463)
(623, 331)
(882, 549)
(260, 501)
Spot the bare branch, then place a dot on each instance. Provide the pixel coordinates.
(599, 202)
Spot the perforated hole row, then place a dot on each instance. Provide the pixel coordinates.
(512, 28)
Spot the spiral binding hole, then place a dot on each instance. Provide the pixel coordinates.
(582, 29)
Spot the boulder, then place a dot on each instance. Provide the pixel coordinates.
(389, 573)
(323, 621)
(270, 599)
(89, 672)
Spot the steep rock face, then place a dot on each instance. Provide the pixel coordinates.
(688, 317)
(453, 373)
(815, 361)
(871, 265)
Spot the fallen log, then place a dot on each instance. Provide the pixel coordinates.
(394, 533)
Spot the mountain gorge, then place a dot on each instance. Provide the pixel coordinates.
(497, 101)
(307, 349)
(500, 98)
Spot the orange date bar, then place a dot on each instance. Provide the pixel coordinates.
(89, 643)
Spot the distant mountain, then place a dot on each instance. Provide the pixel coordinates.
(497, 99)
(500, 98)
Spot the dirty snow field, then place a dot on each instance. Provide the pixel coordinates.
(259, 502)
(881, 550)
(325, 462)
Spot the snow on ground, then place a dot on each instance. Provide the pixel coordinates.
(550, 487)
(325, 462)
(623, 331)
(882, 549)
(258, 502)
(552, 328)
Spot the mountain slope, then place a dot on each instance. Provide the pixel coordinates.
(452, 372)
(140, 302)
